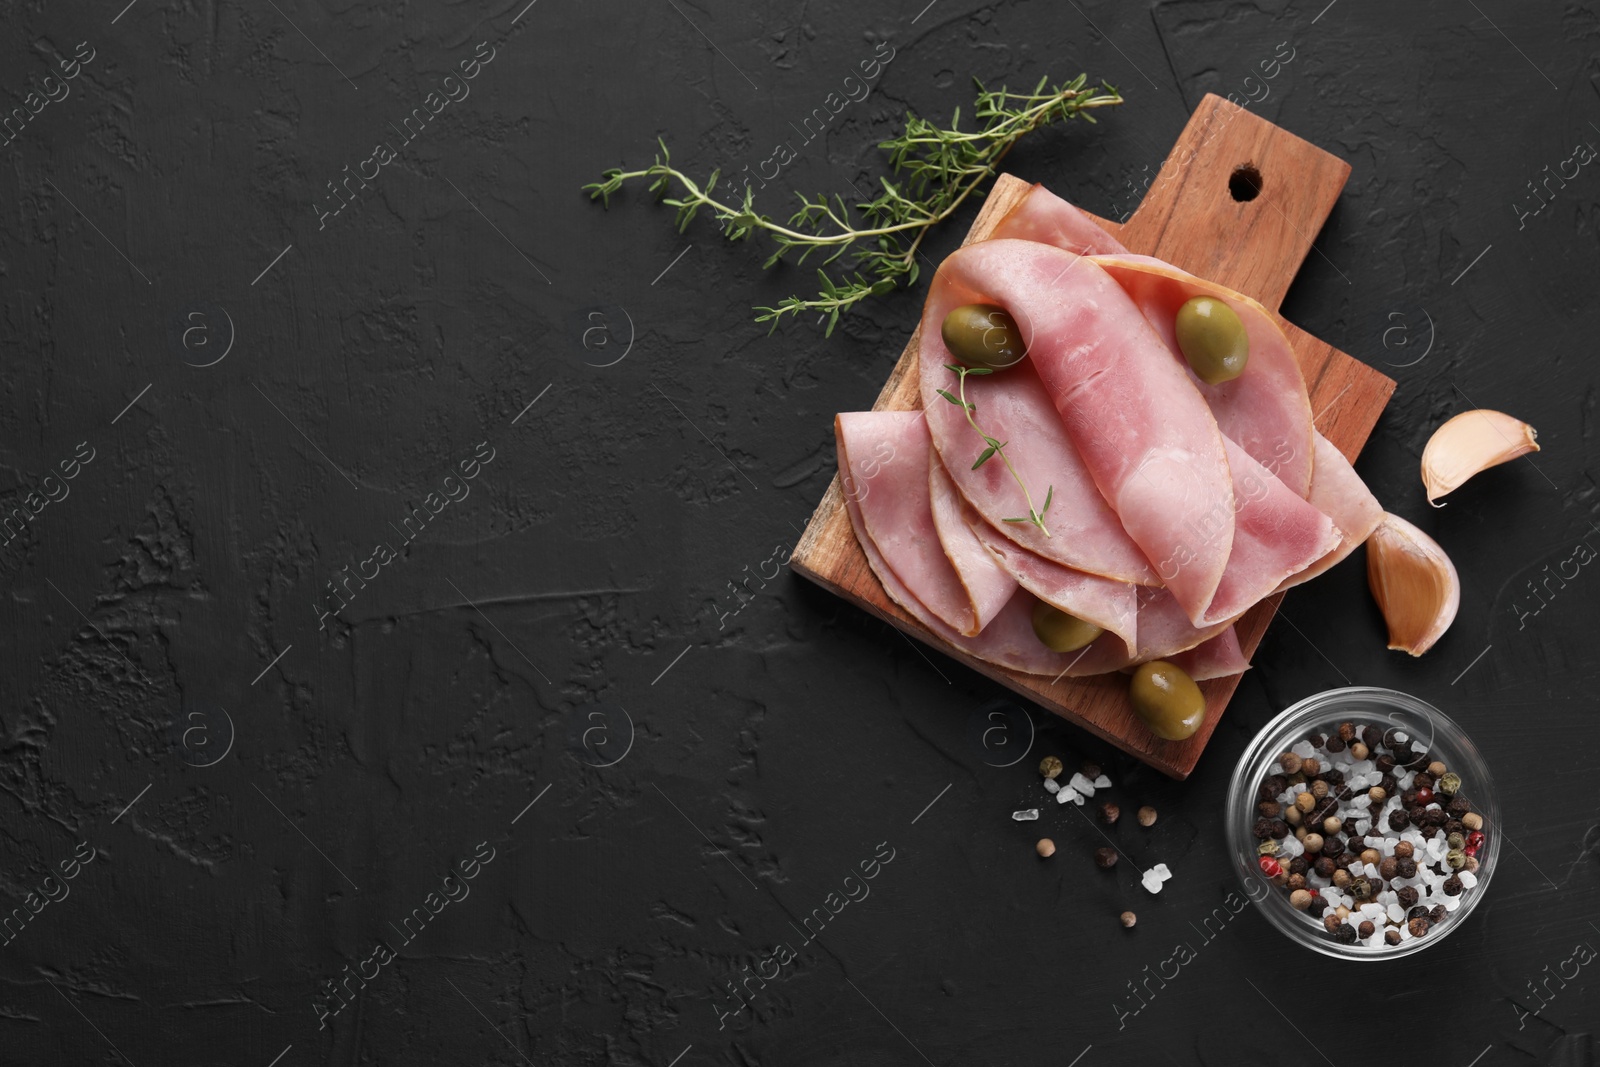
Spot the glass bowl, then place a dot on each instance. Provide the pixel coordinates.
(1429, 728)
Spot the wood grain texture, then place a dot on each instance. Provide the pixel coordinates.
(1189, 218)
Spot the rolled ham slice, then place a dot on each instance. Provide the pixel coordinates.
(1338, 491)
(1009, 640)
(988, 586)
(1085, 533)
(1266, 410)
(1044, 217)
(1131, 412)
(1106, 602)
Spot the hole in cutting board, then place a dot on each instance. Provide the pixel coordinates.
(1245, 182)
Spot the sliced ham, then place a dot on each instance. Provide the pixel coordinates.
(1217, 657)
(1131, 412)
(1009, 640)
(1338, 491)
(1164, 628)
(1044, 217)
(1085, 533)
(987, 585)
(1276, 534)
(1266, 409)
(885, 456)
(1106, 602)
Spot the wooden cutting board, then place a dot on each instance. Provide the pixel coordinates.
(1192, 217)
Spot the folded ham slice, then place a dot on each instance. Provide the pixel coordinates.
(1143, 430)
(1266, 409)
(1106, 602)
(1044, 217)
(987, 584)
(1085, 533)
(1338, 491)
(1008, 640)
(1215, 658)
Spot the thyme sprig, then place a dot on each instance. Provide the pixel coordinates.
(995, 447)
(936, 169)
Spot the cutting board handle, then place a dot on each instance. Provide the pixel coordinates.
(1238, 201)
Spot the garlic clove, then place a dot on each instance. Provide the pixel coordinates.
(1471, 442)
(1414, 583)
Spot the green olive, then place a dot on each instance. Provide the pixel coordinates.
(1061, 632)
(1167, 700)
(1212, 339)
(983, 335)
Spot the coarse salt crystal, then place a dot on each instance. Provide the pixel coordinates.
(1362, 826)
(1452, 903)
(1371, 870)
(1083, 785)
(1052, 786)
(1065, 795)
(1291, 847)
(1297, 788)
(1401, 737)
(1396, 913)
(1305, 750)
(1151, 881)
(1026, 814)
(1102, 782)
(1162, 871)
(1468, 879)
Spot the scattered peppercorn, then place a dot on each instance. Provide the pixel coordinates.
(1091, 770)
(1388, 867)
(1269, 809)
(1129, 919)
(1341, 878)
(1424, 796)
(1045, 848)
(1450, 784)
(1407, 868)
(1399, 820)
(1391, 937)
(1105, 858)
(1296, 881)
(1377, 794)
(1418, 926)
(1359, 750)
(1267, 848)
(1345, 934)
(1436, 768)
(1459, 806)
(1147, 816)
(1310, 767)
(1472, 864)
(1323, 866)
(1456, 840)
(1407, 897)
(1290, 763)
(1300, 899)
(1313, 842)
(1305, 802)
(1270, 867)
(1366, 929)
(1110, 813)
(1299, 865)
(1453, 885)
(1332, 922)
(1371, 736)
(1334, 745)
(1371, 855)
(1332, 825)
(1404, 850)
(1361, 889)
(1472, 821)
(1050, 767)
(1437, 914)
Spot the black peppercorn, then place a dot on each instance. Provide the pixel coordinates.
(1418, 926)
(1344, 793)
(1436, 916)
(1402, 752)
(1406, 867)
(1453, 886)
(1391, 937)
(1280, 828)
(1347, 732)
(1332, 846)
(1345, 934)
(1407, 896)
(1105, 858)
(1296, 881)
(1262, 829)
(1389, 784)
(1299, 865)
(1110, 813)
(1377, 885)
(1324, 866)
(1333, 777)
(1399, 820)
(1417, 815)
(1454, 826)
(1331, 923)
(1315, 740)
(1334, 745)
(1418, 911)
(1269, 809)
(1384, 763)
(1408, 799)
(1366, 929)
(1436, 817)
(1388, 866)
(1371, 736)
(1317, 907)
(1458, 806)
(1423, 780)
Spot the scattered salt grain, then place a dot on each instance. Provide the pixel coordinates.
(1026, 814)
(1468, 879)
(1161, 869)
(1151, 882)
(1305, 750)
(1065, 795)
(1102, 782)
(1052, 786)
(1083, 785)
(1396, 913)
(1452, 903)
(1370, 870)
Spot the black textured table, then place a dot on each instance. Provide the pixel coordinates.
(400, 665)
